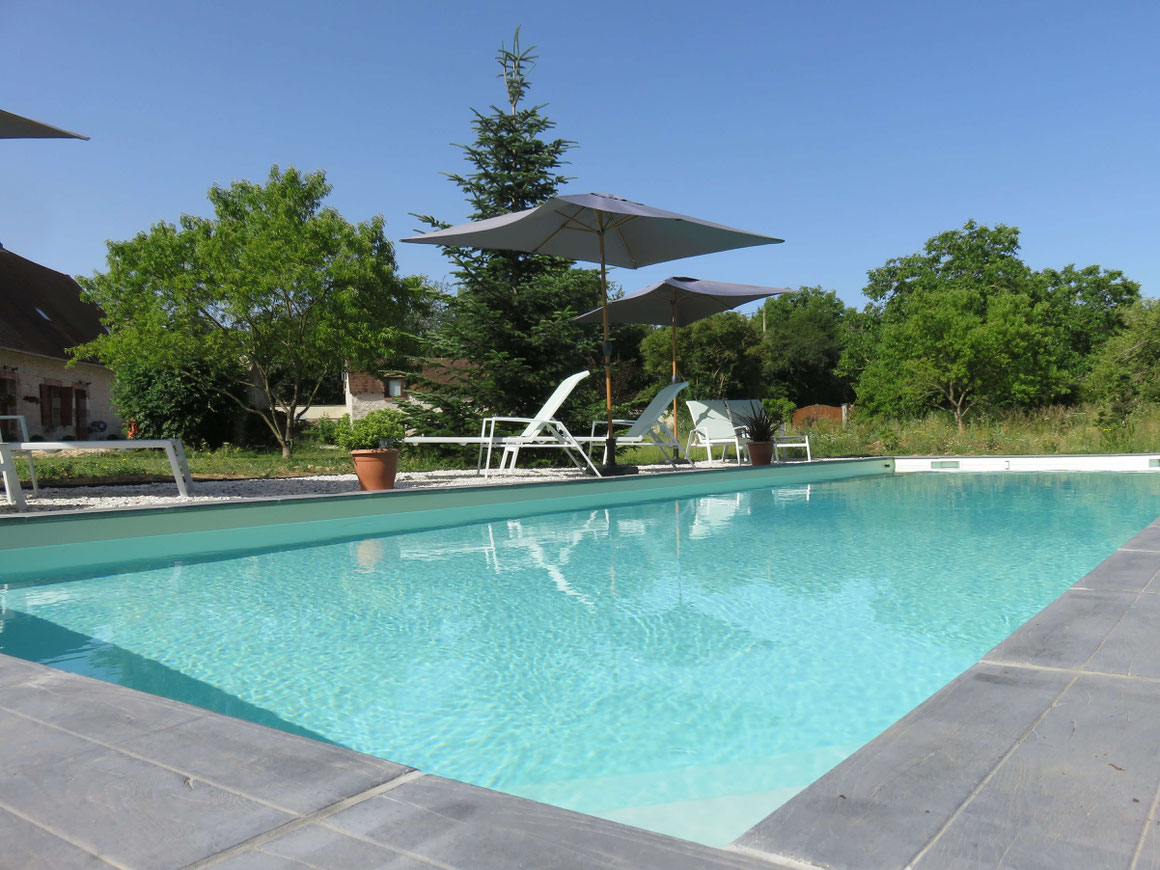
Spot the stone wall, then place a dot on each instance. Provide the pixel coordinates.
(366, 393)
(23, 379)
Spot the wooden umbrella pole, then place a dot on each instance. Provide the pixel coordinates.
(611, 445)
(676, 434)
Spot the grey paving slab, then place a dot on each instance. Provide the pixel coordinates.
(100, 711)
(131, 812)
(26, 744)
(263, 861)
(1148, 857)
(17, 671)
(1066, 632)
(1133, 646)
(1146, 539)
(290, 772)
(325, 849)
(1123, 571)
(1076, 793)
(24, 845)
(878, 808)
(462, 826)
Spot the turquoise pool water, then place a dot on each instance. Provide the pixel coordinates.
(684, 665)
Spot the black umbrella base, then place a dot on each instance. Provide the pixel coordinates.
(617, 470)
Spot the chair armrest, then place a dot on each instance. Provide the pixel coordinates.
(515, 420)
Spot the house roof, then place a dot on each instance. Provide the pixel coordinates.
(41, 311)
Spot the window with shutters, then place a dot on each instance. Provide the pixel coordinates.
(56, 406)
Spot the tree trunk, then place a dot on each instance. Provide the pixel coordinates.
(287, 438)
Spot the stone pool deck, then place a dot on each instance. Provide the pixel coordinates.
(1046, 754)
(96, 775)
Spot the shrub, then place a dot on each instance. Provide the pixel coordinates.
(167, 403)
(377, 429)
(327, 429)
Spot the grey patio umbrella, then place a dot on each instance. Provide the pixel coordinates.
(679, 302)
(598, 228)
(18, 127)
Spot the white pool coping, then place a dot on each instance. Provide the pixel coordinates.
(1062, 462)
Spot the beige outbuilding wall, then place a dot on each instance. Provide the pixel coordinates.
(27, 381)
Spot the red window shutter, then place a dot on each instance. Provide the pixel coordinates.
(45, 405)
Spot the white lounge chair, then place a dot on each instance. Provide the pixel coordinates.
(648, 426)
(712, 425)
(739, 409)
(22, 424)
(542, 430)
(781, 442)
(742, 409)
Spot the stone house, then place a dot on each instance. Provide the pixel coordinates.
(41, 316)
(367, 392)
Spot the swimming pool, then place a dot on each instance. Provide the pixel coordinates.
(684, 664)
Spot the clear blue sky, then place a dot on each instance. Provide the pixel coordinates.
(854, 130)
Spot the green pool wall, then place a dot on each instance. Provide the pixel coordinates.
(38, 545)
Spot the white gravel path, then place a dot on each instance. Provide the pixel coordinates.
(67, 498)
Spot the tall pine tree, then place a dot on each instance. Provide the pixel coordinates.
(510, 320)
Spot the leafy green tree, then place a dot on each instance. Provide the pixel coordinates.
(717, 355)
(1088, 306)
(802, 340)
(275, 286)
(982, 259)
(1126, 370)
(510, 319)
(958, 349)
(962, 324)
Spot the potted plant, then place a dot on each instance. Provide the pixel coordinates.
(760, 427)
(371, 441)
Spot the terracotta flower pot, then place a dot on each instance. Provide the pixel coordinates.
(376, 469)
(760, 452)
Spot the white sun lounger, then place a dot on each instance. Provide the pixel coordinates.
(713, 425)
(540, 431)
(647, 427)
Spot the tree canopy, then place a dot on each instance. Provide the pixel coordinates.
(276, 290)
(803, 335)
(510, 317)
(1126, 370)
(966, 324)
(717, 355)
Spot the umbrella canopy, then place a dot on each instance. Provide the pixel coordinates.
(19, 127)
(598, 228)
(679, 301)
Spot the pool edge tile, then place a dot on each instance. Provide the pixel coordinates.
(882, 804)
(455, 824)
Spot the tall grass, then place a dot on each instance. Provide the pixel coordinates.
(1082, 429)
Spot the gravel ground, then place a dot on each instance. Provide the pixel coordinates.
(67, 498)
